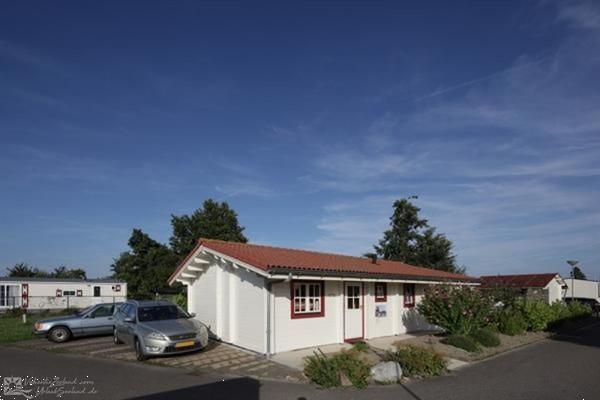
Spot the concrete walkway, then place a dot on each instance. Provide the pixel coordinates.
(295, 359)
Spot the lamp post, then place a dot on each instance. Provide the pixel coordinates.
(573, 264)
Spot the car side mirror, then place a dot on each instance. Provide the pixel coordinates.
(192, 314)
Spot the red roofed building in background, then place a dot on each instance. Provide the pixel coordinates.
(548, 286)
(272, 299)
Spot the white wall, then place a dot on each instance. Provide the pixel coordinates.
(231, 301)
(249, 309)
(202, 298)
(410, 319)
(291, 334)
(555, 291)
(380, 326)
(583, 288)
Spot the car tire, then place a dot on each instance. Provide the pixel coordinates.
(59, 334)
(139, 354)
(116, 339)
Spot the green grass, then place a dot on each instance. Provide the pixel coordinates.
(12, 329)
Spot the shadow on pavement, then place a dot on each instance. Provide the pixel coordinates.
(585, 335)
(241, 388)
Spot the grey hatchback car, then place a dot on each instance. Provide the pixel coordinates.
(157, 328)
(94, 320)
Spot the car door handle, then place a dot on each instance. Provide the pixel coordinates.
(110, 318)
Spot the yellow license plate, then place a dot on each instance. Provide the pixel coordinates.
(185, 344)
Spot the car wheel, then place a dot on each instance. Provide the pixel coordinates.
(116, 339)
(139, 354)
(59, 334)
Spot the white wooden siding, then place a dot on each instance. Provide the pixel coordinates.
(250, 310)
(203, 291)
(291, 334)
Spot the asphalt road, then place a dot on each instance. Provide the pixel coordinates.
(568, 368)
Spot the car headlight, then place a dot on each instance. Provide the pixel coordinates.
(202, 332)
(41, 326)
(156, 336)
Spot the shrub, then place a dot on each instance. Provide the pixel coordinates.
(537, 314)
(325, 371)
(462, 342)
(486, 337)
(181, 300)
(360, 346)
(578, 310)
(458, 310)
(322, 370)
(355, 368)
(511, 322)
(417, 361)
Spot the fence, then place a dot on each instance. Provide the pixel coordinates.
(35, 303)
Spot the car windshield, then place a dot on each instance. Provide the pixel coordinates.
(160, 313)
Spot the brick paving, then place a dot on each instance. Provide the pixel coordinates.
(216, 357)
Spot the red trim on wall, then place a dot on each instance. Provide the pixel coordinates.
(383, 298)
(406, 286)
(25, 295)
(319, 314)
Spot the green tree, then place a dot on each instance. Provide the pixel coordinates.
(146, 266)
(577, 273)
(399, 242)
(215, 220)
(23, 270)
(66, 273)
(410, 239)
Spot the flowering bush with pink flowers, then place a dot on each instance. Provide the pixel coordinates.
(456, 309)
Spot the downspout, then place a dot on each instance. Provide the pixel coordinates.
(268, 349)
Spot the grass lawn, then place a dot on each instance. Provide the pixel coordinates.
(12, 329)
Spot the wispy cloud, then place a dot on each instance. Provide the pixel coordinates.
(498, 166)
(244, 187)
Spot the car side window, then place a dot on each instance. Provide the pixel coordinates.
(131, 312)
(123, 309)
(102, 311)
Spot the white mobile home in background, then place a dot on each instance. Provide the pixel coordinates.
(55, 294)
(584, 289)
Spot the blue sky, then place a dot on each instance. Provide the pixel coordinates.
(310, 119)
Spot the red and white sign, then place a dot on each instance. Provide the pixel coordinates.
(58, 293)
(25, 295)
(79, 293)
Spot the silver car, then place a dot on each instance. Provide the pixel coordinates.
(157, 328)
(94, 320)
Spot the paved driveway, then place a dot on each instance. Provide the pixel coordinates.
(562, 369)
(216, 357)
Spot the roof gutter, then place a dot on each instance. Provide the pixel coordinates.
(283, 273)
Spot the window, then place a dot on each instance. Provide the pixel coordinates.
(9, 295)
(103, 311)
(68, 293)
(308, 299)
(96, 291)
(380, 292)
(409, 294)
(353, 297)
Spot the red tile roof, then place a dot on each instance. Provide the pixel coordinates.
(517, 281)
(283, 260)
